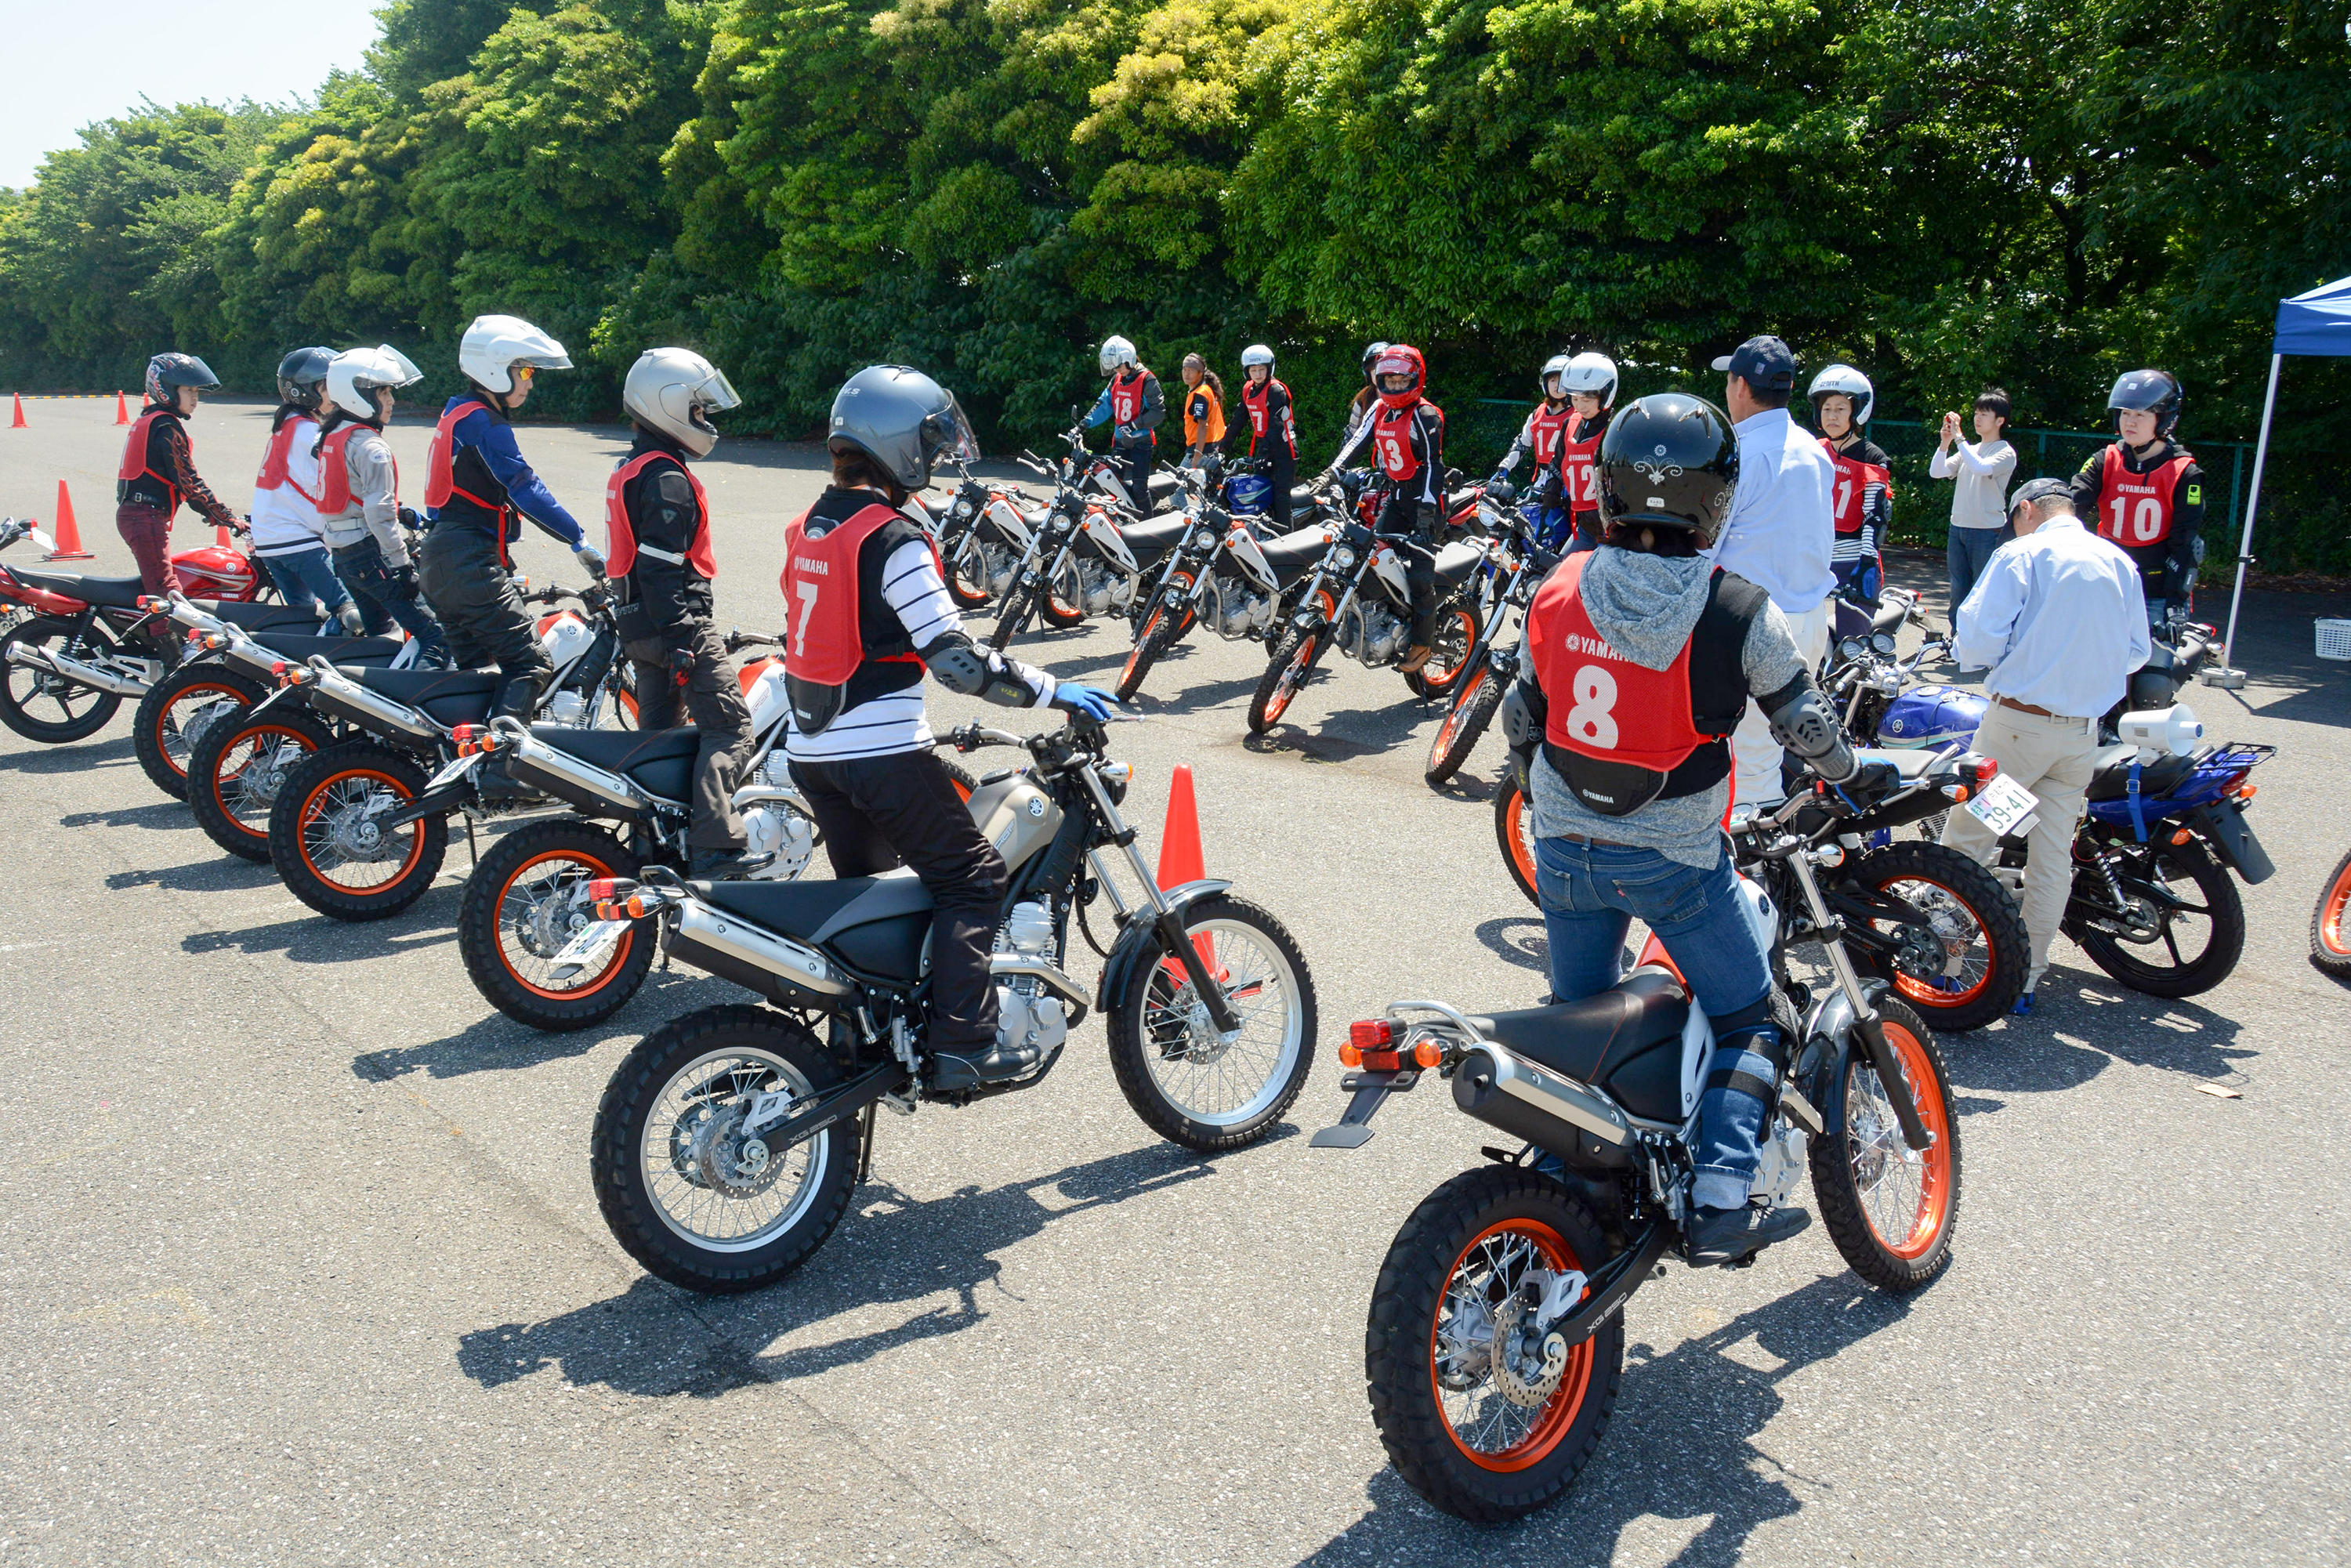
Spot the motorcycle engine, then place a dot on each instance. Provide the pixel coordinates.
(1231, 609)
(1370, 633)
(565, 708)
(1104, 589)
(1783, 1166)
(771, 827)
(1026, 1013)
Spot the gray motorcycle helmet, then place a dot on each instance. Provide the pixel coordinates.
(903, 420)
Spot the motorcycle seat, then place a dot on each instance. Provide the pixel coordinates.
(1888, 617)
(300, 645)
(113, 593)
(1592, 1040)
(1292, 556)
(661, 760)
(1150, 541)
(417, 687)
(2111, 778)
(877, 924)
(1456, 561)
(1163, 485)
(1302, 496)
(295, 619)
(1908, 764)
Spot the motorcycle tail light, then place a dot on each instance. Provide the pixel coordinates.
(601, 888)
(1987, 769)
(467, 737)
(1371, 1034)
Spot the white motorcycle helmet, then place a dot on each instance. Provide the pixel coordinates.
(1842, 378)
(1554, 366)
(1594, 373)
(675, 391)
(1115, 352)
(1257, 354)
(494, 345)
(356, 375)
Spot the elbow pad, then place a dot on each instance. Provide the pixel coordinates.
(969, 671)
(1807, 725)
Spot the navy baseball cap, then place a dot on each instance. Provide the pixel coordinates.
(1762, 362)
(2038, 490)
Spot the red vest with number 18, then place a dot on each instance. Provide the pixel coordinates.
(1126, 396)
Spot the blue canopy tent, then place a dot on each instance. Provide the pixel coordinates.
(2316, 323)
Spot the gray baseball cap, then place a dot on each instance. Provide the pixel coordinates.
(2038, 490)
(1761, 361)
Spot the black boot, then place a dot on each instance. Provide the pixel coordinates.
(1718, 1236)
(968, 1071)
(725, 865)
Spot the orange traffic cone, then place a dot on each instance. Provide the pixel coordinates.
(121, 410)
(222, 538)
(1181, 859)
(69, 531)
(16, 421)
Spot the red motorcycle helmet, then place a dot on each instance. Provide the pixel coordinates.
(1400, 360)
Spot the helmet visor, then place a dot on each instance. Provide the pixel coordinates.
(718, 392)
(946, 433)
(558, 362)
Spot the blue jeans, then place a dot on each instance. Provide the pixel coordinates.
(308, 577)
(389, 595)
(1590, 893)
(1967, 555)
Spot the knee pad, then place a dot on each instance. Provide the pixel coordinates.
(1750, 1029)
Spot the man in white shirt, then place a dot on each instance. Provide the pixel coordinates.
(1979, 499)
(1781, 532)
(2059, 620)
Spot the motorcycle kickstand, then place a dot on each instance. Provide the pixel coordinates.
(865, 1144)
(473, 850)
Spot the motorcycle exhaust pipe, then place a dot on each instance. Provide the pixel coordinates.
(77, 670)
(1506, 1090)
(773, 966)
(564, 776)
(364, 707)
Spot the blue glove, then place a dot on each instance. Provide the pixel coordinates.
(1086, 702)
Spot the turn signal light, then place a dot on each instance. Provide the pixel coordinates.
(1428, 1054)
(469, 738)
(1956, 792)
(2182, 836)
(1349, 1056)
(2247, 792)
(214, 642)
(630, 908)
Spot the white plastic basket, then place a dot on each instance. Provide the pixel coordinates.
(2335, 640)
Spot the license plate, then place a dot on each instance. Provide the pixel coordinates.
(585, 948)
(2003, 805)
(456, 770)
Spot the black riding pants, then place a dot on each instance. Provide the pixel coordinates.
(1134, 466)
(713, 704)
(876, 812)
(1281, 473)
(465, 578)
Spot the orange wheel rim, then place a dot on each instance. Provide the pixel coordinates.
(1556, 1416)
(263, 739)
(2330, 924)
(592, 866)
(1448, 674)
(1927, 994)
(1452, 725)
(309, 815)
(168, 719)
(1136, 652)
(1932, 1211)
(1287, 687)
(1522, 849)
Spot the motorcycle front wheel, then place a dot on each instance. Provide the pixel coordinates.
(1889, 1208)
(1158, 634)
(327, 841)
(525, 903)
(1470, 1414)
(2330, 937)
(1062, 603)
(174, 714)
(1285, 676)
(1458, 630)
(236, 767)
(1474, 706)
(684, 1192)
(2200, 930)
(47, 707)
(1190, 1086)
(1514, 828)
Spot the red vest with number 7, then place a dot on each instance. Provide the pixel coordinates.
(824, 643)
(1578, 464)
(621, 542)
(2136, 508)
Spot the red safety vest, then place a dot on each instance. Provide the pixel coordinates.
(335, 474)
(1578, 464)
(2136, 508)
(1548, 429)
(1602, 704)
(1126, 399)
(1854, 478)
(621, 548)
(441, 460)
(1258, 399)
(135, 452)
(823, 640)
(1392, 439)
(273, 475)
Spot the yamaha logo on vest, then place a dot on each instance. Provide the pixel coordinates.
(813, 568)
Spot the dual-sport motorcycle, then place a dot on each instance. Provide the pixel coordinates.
(526, 928)
(1518, 566)
(358, 828)
(85, 644)
(1927, 920)
(2154, 901)
(1358, 600)
(1083, 555)
(1495, 1349)
(729, 1142)
(2330, 935)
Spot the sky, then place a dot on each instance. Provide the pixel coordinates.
(74, 61)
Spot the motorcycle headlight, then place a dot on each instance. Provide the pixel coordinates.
(963, 508)
(1203, 538)
(1342, 556)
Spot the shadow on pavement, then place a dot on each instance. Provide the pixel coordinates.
(657, 1341)
(165, 814)
(73, 757)
(2049, 1050)
(223, 873)
(317, 939)
(1680, 1447)
(497, 1043)
(1518, 940)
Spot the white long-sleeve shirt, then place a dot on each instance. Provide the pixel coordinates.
(1783, 523)
(1980, 500)
(284, 520)
(2058, 617)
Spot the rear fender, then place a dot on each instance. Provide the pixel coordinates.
(1137, 951)
(2224, 826)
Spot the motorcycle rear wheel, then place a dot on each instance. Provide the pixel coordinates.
(528, 894)
(2330, 923)
(308, 840)
(687, 1201)
(1474, 706)
(1514, 828)
(1286, 675)
(2222, 910)
(158, 730)
(1976, 910)
(234, 779)
(1890, 1214)
(1449, 1428)
(28, 697)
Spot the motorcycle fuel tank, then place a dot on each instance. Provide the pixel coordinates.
(1014, 816)
(1931, 716)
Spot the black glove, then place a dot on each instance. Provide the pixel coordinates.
(410, 520)
(1871, 782)
(681, 665)
(404, 586)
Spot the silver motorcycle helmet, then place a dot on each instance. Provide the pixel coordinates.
(903, 420)
(675, 391)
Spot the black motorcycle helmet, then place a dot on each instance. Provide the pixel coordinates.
(167, 373)
(2156, 392)
(302, 378)
(1668, 460)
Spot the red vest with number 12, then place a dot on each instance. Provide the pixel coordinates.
(2136, 508)
(621, 546)
(1579, 462)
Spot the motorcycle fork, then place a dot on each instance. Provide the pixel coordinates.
(1176, 941)
(1866, 1022)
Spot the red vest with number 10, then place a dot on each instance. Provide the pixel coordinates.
(1602, 704)
(620, 546)
(2136, 508)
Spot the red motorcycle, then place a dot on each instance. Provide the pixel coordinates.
(87, 643)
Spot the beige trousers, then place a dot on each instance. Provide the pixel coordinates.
(1752, 749)
(2053, 758)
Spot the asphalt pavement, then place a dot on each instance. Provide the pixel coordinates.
(301, 1263)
